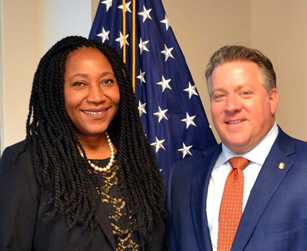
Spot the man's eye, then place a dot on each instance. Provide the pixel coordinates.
(219, 96)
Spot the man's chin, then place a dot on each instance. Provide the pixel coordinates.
(238, 146)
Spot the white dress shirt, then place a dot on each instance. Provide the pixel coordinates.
(220, 172)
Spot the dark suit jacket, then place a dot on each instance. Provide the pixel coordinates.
(22, 229)
(275, 216)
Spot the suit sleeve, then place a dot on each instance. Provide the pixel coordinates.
(19, 201)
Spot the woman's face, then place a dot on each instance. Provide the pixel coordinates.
(91, 92)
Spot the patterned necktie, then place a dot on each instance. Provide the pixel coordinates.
(231, 206)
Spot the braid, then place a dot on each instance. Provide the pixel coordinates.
(59, 167)
(141, 180)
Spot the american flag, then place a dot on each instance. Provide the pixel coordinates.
(169, 105)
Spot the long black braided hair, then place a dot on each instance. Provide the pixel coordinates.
(56, 158)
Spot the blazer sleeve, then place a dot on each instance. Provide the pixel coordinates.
(172, 235)
(19, 200)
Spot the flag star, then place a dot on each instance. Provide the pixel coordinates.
(126, 7)
(104, 35)
(164, 84)
(108, 3)
(158, 144)
(141, 77)
(166, 22)
(189, 120)
(142, 45)
(142, 108)
(191, 90)
(161, 114)
(167, 52)
(145, 14)
(121, 39)
(185, 150)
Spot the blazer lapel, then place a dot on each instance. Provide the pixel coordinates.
(105, 225)
(103, 219)
(265, 186)
(141, 239)
(199, 189)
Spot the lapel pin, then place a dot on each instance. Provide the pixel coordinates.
(281, 166)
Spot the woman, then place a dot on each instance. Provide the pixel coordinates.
(85, 178)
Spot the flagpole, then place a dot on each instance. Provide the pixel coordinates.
(133, 43)
(124, 31)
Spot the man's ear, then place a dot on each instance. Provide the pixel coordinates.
(273, 100)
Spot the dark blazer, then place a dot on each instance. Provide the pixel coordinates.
(22, 229)
(275, 216)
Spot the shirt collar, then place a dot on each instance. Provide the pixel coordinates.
(257, 155)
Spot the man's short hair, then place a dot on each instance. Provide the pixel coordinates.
(232, 53)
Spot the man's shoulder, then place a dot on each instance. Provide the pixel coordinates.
(301, 148)
(201, 159)
(291, 145)
(185, 172)
(292, 148)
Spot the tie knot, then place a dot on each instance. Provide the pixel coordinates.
(238, 162)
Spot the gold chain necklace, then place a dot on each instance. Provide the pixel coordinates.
(111, 161)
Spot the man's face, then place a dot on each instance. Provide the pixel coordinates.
(242, 111)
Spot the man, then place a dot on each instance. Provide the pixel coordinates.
(215, 204)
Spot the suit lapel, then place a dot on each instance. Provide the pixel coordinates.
(199, 189)
(265, 186)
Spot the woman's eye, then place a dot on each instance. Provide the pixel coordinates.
(78, 84)
(108, 81)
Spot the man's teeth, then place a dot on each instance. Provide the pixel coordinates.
(235, 121)
(89, 112)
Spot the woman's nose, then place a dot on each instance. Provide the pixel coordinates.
(96, 94)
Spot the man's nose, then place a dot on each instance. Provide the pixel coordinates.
(233, 103)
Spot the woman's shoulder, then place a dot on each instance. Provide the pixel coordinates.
(14, 148)
(19, 199)
(17, 174)
(9, 162)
